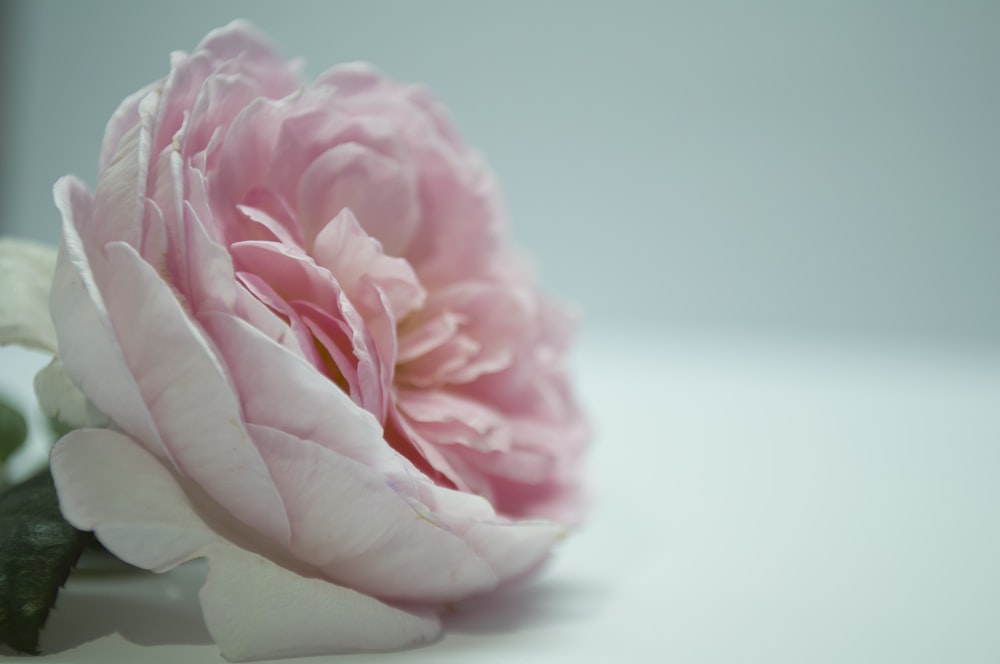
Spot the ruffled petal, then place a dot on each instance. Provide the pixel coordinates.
(112, 344)
(350, 253)
(450, 419)
(93, 360)
(381, 192)
(317, 431)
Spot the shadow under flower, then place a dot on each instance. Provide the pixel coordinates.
(146, 609)
(531, 603)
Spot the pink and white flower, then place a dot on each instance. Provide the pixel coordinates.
(323, 366)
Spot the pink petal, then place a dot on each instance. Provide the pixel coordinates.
(494, 320)
(452, 470)
(233, 49)
(352, 78)
(189, 398)
(381, 192)
(384, 544)
(297, 331)
(345, 341)
(244, 160)
(419, 337)
(317, 431)
(118, 206)
(311, 128)
(450, 419)
(273, 230)
(242, 46)
(350, 253)
(124, 119)
(295, 277)
(462, 217)
(317, 410)
(93, 360)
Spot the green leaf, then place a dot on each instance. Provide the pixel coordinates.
(37, 551)
(13, 430)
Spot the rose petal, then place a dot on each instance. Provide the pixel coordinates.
(183, 410)
(282, 273)
(156, 528)
(423, 536)
(122, 121)
(380, 191)
(93, 361)
(253, 607)
(311, 128)
(450, 419)
(376, 543)
(317, 410)
(230, 50)
(350, 253)
(190, 399)
(118, 203)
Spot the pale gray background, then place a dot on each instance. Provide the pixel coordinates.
(814, 168)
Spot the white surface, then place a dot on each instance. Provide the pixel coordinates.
(755, 503)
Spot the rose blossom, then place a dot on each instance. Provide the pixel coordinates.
(324, 369)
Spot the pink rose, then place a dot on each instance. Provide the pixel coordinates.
(324, 368)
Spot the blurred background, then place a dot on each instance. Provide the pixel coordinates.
(819, 169)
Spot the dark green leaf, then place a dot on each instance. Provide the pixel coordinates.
(13, 430)
(38, 548)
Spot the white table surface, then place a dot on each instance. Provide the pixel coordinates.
(755, 502)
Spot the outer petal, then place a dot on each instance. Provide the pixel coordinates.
(122, 121)
(432, 529)
(112, 345)
(26, 270)
(282, 614)
(361, 531)
(92, 359)
(156, 528)
(253, 607)
(189, 397)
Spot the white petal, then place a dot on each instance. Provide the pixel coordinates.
(108, 483)
(26, 270)
(60, 399)
(253, 607)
